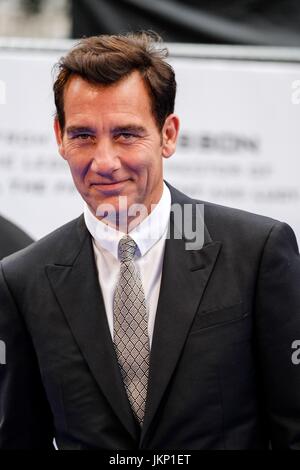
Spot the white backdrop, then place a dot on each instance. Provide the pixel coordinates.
(239, 144)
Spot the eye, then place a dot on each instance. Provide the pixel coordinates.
(82, 136)
(126, 137)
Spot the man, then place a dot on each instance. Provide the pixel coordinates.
(119, 339)
(11, 238)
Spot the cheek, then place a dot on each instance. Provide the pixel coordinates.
(141, 155)
(78, 174)
(78, 164)
(142, 159)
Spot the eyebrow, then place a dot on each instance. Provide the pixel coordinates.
(71, 130)
(129, 128)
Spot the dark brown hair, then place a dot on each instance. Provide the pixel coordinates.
(106, 59)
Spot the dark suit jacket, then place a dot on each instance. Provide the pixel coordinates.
(221, 374)
(11, 238)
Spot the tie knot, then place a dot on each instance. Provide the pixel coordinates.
(127, 248)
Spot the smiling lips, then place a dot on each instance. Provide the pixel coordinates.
(110, 185)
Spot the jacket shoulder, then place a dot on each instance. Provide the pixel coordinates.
(236, 227)
(48, 249)
(238, 216)
(12, 238)
(243, 228)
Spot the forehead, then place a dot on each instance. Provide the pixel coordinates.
(127, 96)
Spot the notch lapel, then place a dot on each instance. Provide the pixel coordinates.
(76, 287)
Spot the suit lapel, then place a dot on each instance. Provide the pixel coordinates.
(184, 278)
(75, 284)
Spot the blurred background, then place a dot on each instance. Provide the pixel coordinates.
(263, 22)
(237, 64)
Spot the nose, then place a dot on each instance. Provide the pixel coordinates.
(105, 159)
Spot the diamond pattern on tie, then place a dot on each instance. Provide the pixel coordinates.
(130, 329)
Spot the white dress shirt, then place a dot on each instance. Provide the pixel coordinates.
(150, 237)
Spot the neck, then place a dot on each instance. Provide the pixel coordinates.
(127, 218)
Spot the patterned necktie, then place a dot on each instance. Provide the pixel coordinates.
(130, 329)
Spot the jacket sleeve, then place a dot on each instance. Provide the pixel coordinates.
(277, 322)
(25, 417)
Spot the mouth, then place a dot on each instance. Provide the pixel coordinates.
(107, 186)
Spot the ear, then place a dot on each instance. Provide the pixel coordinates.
(59, 137)
(169, 135)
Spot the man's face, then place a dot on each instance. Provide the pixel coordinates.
(112, 143)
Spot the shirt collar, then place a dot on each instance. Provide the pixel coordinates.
(145, 235)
